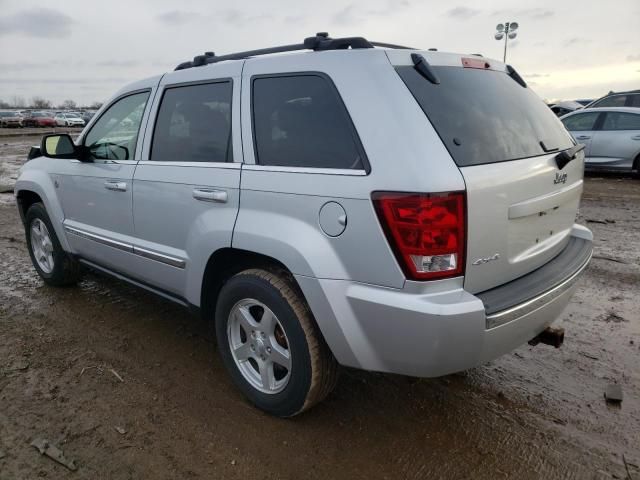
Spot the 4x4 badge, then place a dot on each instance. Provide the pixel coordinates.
(560, 178)
(481, 261)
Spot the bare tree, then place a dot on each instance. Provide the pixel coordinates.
(4, 104)
(18, 102)
(96, 105)
(39, 102)
(68, 105)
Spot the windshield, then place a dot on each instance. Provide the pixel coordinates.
(484, 116)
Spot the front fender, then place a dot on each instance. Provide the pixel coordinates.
(40, 182)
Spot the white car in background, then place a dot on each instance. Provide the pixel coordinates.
(611, 137)
(68, 120)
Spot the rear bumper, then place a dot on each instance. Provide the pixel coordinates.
(434, 329)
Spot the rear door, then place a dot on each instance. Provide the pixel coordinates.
(504, 139)
(617, 143)
(582, 127)
(186, 188)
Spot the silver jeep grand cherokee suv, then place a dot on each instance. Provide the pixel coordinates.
(386, 208)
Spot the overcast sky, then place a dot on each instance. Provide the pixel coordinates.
(86, 49)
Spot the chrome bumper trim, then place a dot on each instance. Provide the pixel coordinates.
(506, 316)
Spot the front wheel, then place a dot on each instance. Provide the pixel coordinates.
(270, 344)
(55, 266)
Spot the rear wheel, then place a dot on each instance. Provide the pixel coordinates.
(635, 170)
(55, 266)
(271, 345)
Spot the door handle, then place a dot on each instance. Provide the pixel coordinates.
(116, 186)
(636, 137)
(207, 195)
(583, 137)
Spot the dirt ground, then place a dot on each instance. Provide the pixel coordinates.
(535, 413)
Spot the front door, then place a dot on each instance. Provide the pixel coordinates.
(186, 187)
(617, 143)
(96, 194)
(582, 127)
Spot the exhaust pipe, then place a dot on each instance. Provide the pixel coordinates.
(549, 336)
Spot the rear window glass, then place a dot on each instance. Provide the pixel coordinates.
(621, 121)
(484, 116)
(300, 121)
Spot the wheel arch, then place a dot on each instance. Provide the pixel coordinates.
(36, 185)
(224, 263)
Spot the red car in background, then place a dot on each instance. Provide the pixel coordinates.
(39, 119)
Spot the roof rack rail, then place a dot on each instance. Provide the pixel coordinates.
(321, 41)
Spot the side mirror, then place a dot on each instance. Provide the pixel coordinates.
(59, 146)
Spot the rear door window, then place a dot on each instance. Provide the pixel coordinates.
(621, 121)
(194, 124)
(581, 122)
(484, 116)
(300, 121)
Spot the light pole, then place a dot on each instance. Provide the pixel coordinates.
(508, 32)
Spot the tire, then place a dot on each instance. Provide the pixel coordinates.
(64, 270)
(635, 169)
(313, 370)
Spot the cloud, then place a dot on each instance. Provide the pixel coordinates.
(352, 14)
(38, 22)
(575, 41)
(64, 81)
(536, 75)
(463, 13)
(633, 58)
(176, 17)
(530, 13)
(19, 66)
(118, 63)
(237, 17)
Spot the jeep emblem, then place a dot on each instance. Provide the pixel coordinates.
(560, 178)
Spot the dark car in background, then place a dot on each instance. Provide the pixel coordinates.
(86, 116)
(39, 119)
(618, 99)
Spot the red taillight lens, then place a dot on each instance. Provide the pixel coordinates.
(426, 232)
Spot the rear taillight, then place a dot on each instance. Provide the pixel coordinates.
(426, 232)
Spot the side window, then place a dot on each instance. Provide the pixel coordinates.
(300, 121)
(194, 124)
(115, 134)
(621, 121)
(581, 121)
(613, 101)
(635, 100)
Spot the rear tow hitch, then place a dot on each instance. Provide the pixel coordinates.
(549, 336)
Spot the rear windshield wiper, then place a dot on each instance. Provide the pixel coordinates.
(422, 66)
(516, 76)
(564, 157)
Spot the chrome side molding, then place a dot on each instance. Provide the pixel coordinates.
(126, 247)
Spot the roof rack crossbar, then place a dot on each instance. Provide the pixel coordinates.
(320, 42)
